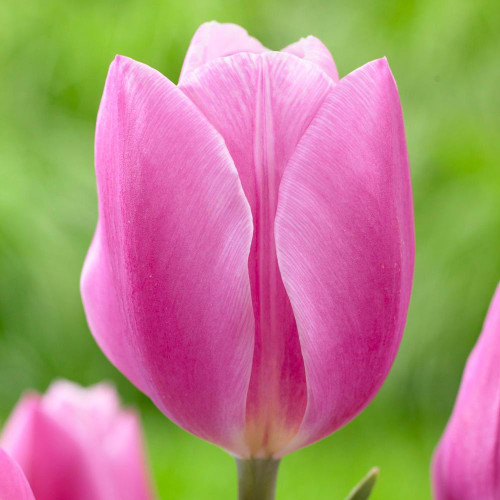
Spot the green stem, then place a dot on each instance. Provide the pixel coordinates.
(257, 478)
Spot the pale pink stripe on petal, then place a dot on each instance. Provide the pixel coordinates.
(312, 49)
(345, 243)
(213, 40)
(466, 463)
(165, 285)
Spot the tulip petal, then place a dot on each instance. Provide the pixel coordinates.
(261, 105)
(124, 449)
(467, 461)
(13, 482)
(165, 285)
(312, 49)
(345, 244)
(213, 40)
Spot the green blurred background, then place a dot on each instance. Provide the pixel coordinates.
(444, 54)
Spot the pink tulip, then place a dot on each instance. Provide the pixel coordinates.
(13, 483)
(75, 443)
(466, 464)
(252, 265)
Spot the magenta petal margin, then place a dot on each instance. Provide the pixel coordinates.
(466, 463)
(252, 265)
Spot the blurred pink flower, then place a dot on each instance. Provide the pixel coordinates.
(466, 464)
(75, 443)
(13, 483)
(252, 265)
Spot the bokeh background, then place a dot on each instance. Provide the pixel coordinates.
(444, 54)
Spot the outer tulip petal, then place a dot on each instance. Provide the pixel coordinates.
(466, 464)
(13, 483)
(312, 49)
(213, 40)
(165, 286)
(345, 244)
(78, 443)
(261, 105)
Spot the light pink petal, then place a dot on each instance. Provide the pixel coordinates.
(312, 49)
(261, 105)
(165, 285)
(466, 463)
(18, 434)
(345, 244)
(213, 40)
(13, 482)
(99, 403)
(125, 456)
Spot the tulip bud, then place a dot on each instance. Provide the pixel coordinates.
(78, 443)
(252, 265)
(466, 463)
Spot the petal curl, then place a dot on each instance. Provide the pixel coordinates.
(466, 463)
(261, 105)
(312, 49)
(345, 244)
(13, 482)
(213, 40)
(165, 285)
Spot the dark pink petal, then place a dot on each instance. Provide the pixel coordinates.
(213, 40)
(312, 49)
(13, 482)
(261, 105)
(165, 285)
(466, 463)
(345, 244)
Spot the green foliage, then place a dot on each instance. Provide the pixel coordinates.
(444, 54)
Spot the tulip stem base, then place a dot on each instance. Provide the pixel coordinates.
(257, 478)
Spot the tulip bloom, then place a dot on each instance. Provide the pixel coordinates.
(13, 483)
(466, 463)
(252, 263)
(75, 443)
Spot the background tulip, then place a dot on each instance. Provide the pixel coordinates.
(252, 265)
(466, 462)
(13, 483)
(75, 443)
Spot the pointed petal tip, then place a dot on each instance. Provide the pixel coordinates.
(383, 69)
(313, 49)
(213, 40)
